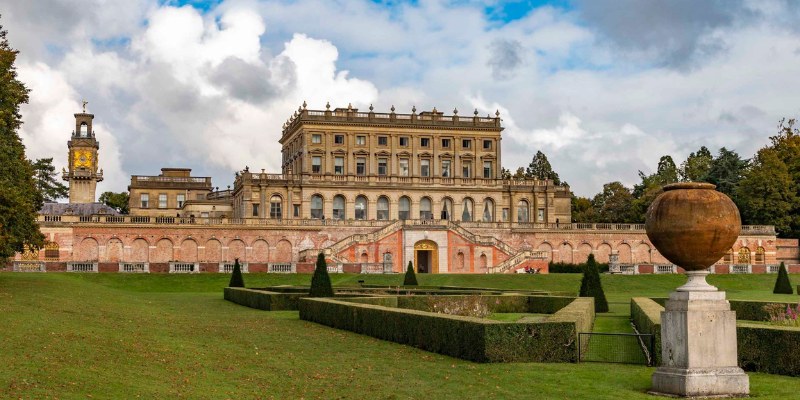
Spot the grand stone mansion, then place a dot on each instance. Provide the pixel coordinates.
(372, 191)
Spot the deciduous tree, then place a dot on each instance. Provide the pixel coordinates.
(117, 201)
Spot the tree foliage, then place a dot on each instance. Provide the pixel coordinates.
(613, 204)
(696, 166)
(411, 278)
(118, 201)
(321, 281)
(19, 197)
(591, 286)
(782, 284)
(46, 180)
(237, 280)
(767, 193)
(540, 168)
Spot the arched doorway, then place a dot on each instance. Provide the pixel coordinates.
(426, 256)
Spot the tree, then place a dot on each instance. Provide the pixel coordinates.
(786, 145)
(46, 183)
(540, 168)
(236, 277)
(505, 173)
(410, 278)
(696, 166)
(117, 201)
(782, 284)
(613, 204)
(321, 281)
(582, 210)
(519, 174)
(727, 169)
(19, 198)
(591, 286)
(767, 193)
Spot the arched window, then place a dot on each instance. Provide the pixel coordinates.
(466, 210)
(759, 255)
(460, 261)
(275, 207)
(447, 208)
(744, 255)
(488, 210)
(338, 207)
(316, 207)
(361, 207)
(522, 211)
(84, 132)
(383, 207)
(425, 208)
(404, 208)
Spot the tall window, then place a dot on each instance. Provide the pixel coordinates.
(275, 207)
(487, 169)
(181, 200)
(338, 207)
(361, 166)
(144, 198)
(383, 208)
(466, 210)
(255, 210)
(361, 207)
(425, 208)
(316, 206)
(540, 215)
(338, 165)
(488, 210)
(383, 166)
(162, 200)
(404, 208)
(424, 167)
(522, 211)
(445, 168)
(447, 208)
(403, 167)
(487, 144)
(466, 169)
(316, 164)
(759, 255)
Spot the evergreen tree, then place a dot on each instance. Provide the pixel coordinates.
(696, 166)
(237, 280)
(540, 168)
(782, 284)
(505, 173)
(321, 281)
(727, 169)
(19, 199)
(118, 201)
(591, 286)
(410, 278)
(47, 184)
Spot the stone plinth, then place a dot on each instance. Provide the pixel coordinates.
(698, 333)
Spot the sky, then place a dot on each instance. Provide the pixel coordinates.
(603, 88)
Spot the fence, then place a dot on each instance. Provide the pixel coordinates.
(624, 348)
(183, 268)
(29, 266)
(81, 267)
(228, 267)
(134, 267)
(281, 268)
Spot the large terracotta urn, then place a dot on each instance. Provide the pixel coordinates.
(693, 225)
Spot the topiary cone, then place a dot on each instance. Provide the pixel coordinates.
(410, 278)
(782, 284)
(321, 281)
(237, 280)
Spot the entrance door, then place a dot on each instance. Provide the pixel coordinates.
(426, 256)
(424, 261)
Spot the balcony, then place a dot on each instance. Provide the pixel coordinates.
(170, 182)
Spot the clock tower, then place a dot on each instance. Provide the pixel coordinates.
(83, 173)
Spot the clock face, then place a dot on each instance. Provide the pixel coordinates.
(82, 159)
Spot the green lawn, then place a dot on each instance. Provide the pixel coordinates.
(171, 336)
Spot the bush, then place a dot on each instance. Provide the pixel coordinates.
(591, 286)
(236, 277)
(568, 268)
(646, 316)
(263, 300)
(321, 281)
(774, 350)
(410, 278)
(782, 284)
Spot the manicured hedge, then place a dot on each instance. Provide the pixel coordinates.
(646, 316)
(567, 268)
(548, 304)
(746, 310)
(770, 349)
(263, 300)
(552, 340)
(495, 303)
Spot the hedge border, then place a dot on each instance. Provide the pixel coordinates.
(263, 300)
(646, 316)
(746, 310)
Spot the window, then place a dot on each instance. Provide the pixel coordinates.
(425, 142)
(540, 215)
(361, 140)
(338, 165)
(404, 141)
(162, 200)
(488, 210)
(338, 207)
(144, 198)
(404, 207)
(466, 169)
(316, 164)
(445, 168)
(759, 255)
(487, 144)
(425, 208)
(446, 143)
(466, 143)
(522, 211)
(338, 139)
(383, 208)
(487, 169)
(447, 209)
(383, 141)
(255, 209)
(296, 210)
(316, 207)
(275, 207)
(316, 138)
(466, 210)
(203, 215)
(383, 166)
(505, 215)
(744, 255)
(361, 166)
(361, 207)
(403, 167)
(425, 167)
(181, 200)
(51, 251)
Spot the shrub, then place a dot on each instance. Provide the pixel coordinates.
(236, 277)
(263, 300)
(591, 286)
(646, 316)
(782, 314)
(321, 281)
(782, 284)
(770, 349)
(410, 278)
(569, 268)
(467, 306)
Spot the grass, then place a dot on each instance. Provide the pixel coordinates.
(172, 336)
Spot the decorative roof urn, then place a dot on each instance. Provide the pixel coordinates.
(693, 226)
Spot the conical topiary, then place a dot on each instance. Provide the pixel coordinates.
(593, 287)
(782, 284)
(410, 278)
(584, 291)
(321, 282)
(237, 280)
